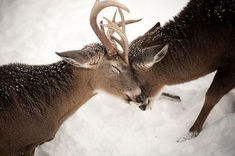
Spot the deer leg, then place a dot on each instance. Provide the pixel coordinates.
(223, 82)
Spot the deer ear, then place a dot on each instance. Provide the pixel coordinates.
(80, 58)
(153, 55)
(161, 54)
(155, 27)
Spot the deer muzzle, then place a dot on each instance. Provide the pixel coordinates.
(143, 107)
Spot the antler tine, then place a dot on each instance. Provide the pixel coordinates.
(121, 24)
(123, 42)
(110, 31)
(114, 16)
(98, 6)
(123, 20)
(128, 22)
(115, 27)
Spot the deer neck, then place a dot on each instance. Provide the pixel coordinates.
(50, 93)
(189, 56)
(80, 92)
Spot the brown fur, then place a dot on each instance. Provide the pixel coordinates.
(32, 112)
(201, 40)
(36, 100)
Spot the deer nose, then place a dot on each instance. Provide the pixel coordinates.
(140, 98)
(142, 107)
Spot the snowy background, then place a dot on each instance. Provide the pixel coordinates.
(32, 30)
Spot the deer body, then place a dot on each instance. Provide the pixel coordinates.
(199, 40)
(36, 100)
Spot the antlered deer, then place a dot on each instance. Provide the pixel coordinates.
(36, 100)
(200, 40)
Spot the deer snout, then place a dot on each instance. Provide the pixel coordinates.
(143, 107)
(147, 104)
(135, 96)
(140, 98)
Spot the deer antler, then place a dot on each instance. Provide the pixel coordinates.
(109, 40)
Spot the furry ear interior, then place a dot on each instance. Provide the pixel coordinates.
(153, 55)
(68, 57)
(80, 58)
(161, 54)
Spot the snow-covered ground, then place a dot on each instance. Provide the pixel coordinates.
(32, 30)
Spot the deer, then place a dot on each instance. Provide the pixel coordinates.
(198, 41)
(35, 100)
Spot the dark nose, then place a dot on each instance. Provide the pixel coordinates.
(142, 107)
(140, 98)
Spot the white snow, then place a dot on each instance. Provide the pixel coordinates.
(32, 30)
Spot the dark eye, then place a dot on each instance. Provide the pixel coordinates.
(115, 69)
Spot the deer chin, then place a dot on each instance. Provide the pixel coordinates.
(147, 105)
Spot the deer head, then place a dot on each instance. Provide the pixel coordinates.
(144, 57)
(143, 65)
(108, 66)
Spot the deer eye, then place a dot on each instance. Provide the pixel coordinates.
(115, 69)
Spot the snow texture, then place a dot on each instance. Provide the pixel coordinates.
(32, 30)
